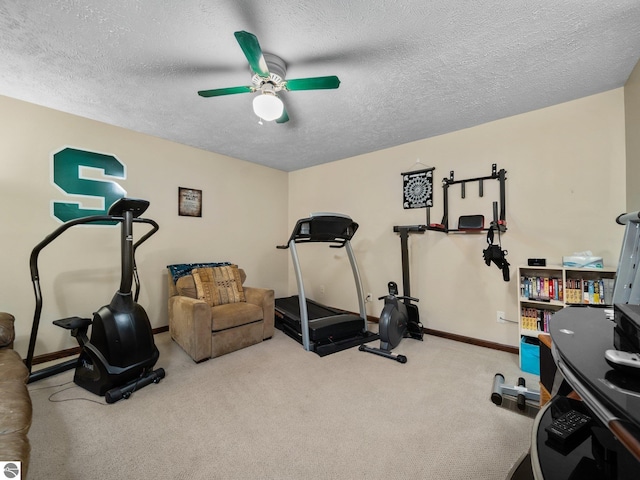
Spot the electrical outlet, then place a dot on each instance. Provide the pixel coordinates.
(500, 317)
(369, 297)
(321, 289)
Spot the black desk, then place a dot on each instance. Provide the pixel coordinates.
(580, 337)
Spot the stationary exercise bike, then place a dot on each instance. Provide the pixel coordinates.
(119, 357)
(393, 325)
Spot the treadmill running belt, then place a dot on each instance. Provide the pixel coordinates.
(291, 307)
(330, 329)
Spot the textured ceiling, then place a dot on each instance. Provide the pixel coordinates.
(409, 69)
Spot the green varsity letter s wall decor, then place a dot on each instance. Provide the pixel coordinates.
(67, 168)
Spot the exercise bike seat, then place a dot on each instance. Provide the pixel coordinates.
(73, 323)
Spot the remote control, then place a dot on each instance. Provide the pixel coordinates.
(571, 426)
(626, 362)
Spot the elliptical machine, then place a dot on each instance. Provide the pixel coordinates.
(393, 325)
(119, 357)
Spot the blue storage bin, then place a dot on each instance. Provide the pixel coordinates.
(530, 355)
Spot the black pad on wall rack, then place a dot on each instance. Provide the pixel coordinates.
(471, 222)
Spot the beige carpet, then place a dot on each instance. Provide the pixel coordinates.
(274, 411)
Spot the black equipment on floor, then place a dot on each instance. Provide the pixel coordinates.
(119, 357)
(392, 326)
(520, 393)
(319, 328)
(414, 327)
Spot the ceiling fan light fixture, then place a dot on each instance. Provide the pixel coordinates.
(268, 106)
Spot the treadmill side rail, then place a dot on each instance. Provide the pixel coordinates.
(356, 277)
(304, 315)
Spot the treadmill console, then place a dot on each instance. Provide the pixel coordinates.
(324, 227)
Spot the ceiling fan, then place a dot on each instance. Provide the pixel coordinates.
(268, 79)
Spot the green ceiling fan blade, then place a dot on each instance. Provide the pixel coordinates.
(251, 49)
(224, 91)
(284, 118)
(314, 83)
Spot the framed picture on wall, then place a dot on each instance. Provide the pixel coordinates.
(189, 202)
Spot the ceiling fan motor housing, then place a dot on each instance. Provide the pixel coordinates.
(277, 70)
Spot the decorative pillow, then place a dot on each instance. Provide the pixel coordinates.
(219, 285)
(179, 270)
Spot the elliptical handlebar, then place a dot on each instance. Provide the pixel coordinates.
(393, 293)
(143, 239)
(405, 297)
(33, 260)
(146, 236)
(399, 297)
(35, 276)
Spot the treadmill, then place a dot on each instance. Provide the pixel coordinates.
(320, 328)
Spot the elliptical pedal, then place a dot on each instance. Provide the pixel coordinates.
(72, 323)
(78, 327)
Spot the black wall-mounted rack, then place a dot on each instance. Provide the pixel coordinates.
(474, 223)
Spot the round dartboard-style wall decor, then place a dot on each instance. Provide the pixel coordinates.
(417, 189)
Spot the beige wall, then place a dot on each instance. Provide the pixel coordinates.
(244, 217)
(566, 185)
(632, 123)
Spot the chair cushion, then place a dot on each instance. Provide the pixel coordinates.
(233, 315)
(219, 285)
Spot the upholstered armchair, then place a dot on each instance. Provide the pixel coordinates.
(211, 312)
